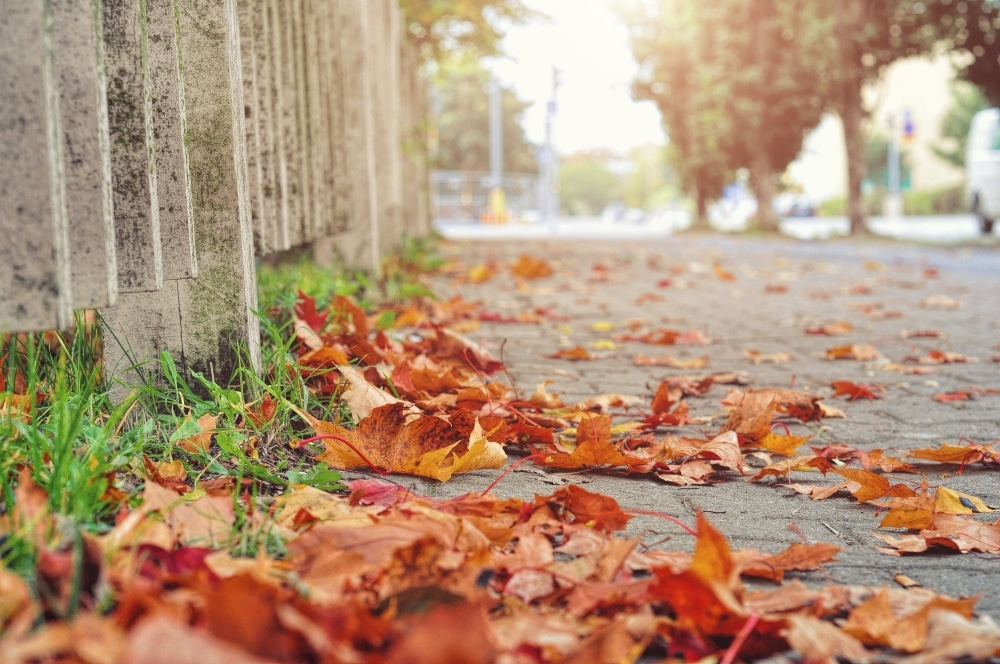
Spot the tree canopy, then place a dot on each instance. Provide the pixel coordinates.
(737, 83)
(445, 26)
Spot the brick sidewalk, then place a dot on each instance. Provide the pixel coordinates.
(763, 294)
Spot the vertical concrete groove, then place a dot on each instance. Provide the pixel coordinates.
(57, 190)
(368, 85)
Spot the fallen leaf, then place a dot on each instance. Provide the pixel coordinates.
(940, 302)
(797, 557)
(722, 273)
(757, 357)
(576, 353)
(529, 267)
(854, 391)
(832, 329)
(949, 531)
(672, 362)
(426, 446)
(195, 436)
(862, 352)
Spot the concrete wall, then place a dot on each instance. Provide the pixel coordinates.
(150, 148)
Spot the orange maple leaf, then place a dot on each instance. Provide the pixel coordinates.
(875, 622)
(427, 446)
(855, 391)
(575, 353)
(797, 557)
(862, 352)
(593, 448)
(529, 267)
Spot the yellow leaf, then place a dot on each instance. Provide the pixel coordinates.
(949, 501)
(783, 445)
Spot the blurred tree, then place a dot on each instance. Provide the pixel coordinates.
(460, 102)
(871, 34)
(649, 181)
(667, 44)
(968, 100)
(782, 93)
(444, 26)
(738, 82)
(586, 182)
(972, 28)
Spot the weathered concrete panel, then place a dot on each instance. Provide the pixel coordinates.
(291, 137)
(296, 41)
(34, 261)
(320, 131)
(333, 91)
(358, 244)
(383, 81)
(87, 165)
(217, 308)
(133, 170)
(136, 331)
(208, 319)
(416, 177)
(267, 163)
(173, 190)
(251, 109)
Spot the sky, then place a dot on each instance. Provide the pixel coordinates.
(588, 43)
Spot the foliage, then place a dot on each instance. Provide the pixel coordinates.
(460, 109)
(651, 180)
(968, 100)
(587, 184)
(730, 96)
(667, 45)
(971, 31)
(948, 200)
(447, 26)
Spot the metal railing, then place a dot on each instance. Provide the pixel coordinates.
(465, 196)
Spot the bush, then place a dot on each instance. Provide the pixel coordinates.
(948, 200)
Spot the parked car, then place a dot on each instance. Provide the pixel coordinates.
(982, 167)
(791, 204)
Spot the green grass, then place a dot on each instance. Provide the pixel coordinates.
(87, 455)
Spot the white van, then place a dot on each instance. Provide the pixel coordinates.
(982, 167)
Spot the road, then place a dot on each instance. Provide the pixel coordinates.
(967, 251)
(664, 280)
(946, 229)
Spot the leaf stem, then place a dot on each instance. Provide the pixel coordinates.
(340, 439)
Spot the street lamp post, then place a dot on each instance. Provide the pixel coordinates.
(498, 207)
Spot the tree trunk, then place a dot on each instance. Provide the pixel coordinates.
(762, 183)
(700, 221)
(761, 167)
(852, 114)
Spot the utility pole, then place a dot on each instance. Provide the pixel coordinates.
(893, 206)
(548, 199)
(498, 205)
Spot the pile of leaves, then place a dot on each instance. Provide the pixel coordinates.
(378, 573)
